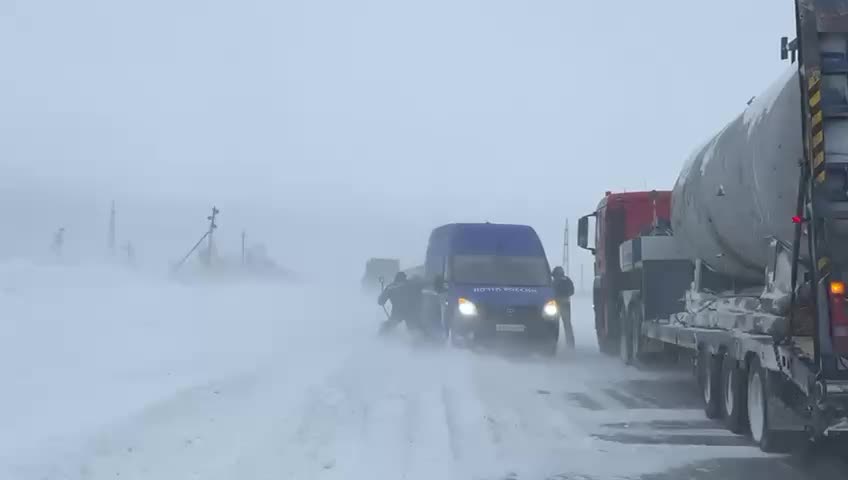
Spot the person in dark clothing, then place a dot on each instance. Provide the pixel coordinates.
(564, 289)
(405, 297)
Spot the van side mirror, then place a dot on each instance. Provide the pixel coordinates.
(583, 233)
(439, 285)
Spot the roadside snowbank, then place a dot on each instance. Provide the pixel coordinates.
(86, 346)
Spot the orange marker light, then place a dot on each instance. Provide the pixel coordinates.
(837, 288)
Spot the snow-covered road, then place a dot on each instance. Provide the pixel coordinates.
(114, 375)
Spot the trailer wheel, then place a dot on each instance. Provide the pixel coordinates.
(758, 415)
(734, 395)
(710, 373)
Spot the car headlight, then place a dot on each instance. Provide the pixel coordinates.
(551, 309)
(467, 308)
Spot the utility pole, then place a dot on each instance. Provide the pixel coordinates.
(211, 234)
(243, 237)
(565, 253)
(130, 251)
(112, 230)
(206, 235)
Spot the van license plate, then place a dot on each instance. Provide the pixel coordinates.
(509, 328)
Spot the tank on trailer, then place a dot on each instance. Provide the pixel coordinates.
(739, 190)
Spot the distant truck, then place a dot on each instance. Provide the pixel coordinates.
(379, 271)
(748, 279)
(490, 282)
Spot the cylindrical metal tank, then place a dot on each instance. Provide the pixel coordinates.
(740, 188)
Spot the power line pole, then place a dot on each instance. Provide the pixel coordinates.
(130, 251)
(565, 253)
(243, 237)
(206, 236)
(211, 234)
(112, 230)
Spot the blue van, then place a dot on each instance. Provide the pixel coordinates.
(491, 282)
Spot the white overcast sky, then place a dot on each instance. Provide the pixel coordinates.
(334, 130)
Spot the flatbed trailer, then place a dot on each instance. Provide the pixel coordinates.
(797, 401)
(754, 374)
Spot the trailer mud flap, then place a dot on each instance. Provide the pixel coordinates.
(782, 417)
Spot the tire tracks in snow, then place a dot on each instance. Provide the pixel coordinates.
(450, 422)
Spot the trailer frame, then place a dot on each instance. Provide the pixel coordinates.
(802, 400)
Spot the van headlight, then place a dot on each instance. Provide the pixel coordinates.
(551, 309)
(466, 307)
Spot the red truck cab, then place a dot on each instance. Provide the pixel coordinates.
(618, 218)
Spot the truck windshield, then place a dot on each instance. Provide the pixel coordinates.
(500, 270)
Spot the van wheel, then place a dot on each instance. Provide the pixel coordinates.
(734, 396)
(458, 341)
(549, 350)
(710, 374)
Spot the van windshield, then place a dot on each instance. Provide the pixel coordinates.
(500, 270)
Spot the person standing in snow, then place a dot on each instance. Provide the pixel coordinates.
(404, 296)
(564, 289)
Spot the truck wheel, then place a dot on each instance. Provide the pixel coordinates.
(758, 414)
(602, 342)
(625, 348)
(734, 395)
(710, 373)
(636, 335)
(608, 341)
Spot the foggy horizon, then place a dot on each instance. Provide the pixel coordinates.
(334, 132)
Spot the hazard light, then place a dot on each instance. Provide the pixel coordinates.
(797, 219)
(838, 317)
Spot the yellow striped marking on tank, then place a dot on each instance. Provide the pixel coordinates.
(815, 99)
(817, 118)
(815, 78)
(816, 127)
(818, 159)
(818, 139)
